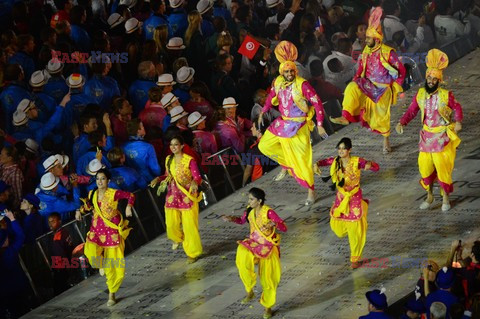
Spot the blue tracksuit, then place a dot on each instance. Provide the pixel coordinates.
(128, 179)
(141, 156)
(178, 22)
(86, 158)
(56, 88)
(182, 93)
(81, 38)
(75, 107)
(10, 97)
(50, 202)
(154, 21)
(138, 94)
(38, 131)
(102, 89)
(25, 60)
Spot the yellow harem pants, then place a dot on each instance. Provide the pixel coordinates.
(182, 227)
(356, 231)
(376, 115)
(269, 270)
(440, 165)
(293, 153)
(97, 255)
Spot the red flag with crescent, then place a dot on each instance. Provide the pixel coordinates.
(249, 47)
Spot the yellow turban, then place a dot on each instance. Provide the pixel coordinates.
(436, 62)
(374, 29)
(286, 53)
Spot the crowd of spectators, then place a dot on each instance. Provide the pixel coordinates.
(93, 83)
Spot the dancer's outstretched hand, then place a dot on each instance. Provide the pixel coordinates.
(128, 211)
(399, 128)
(458, 127)
(321, 131)
(153, 182)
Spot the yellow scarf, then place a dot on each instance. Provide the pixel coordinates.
(186, 165)
(108, 199)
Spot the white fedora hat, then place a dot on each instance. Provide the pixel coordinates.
(229, 102)
(185, 74)
(39, 78)
(63, 159)
(203, 6)
(32, 146)
(132, 24)
(175, 3)
(195, 118)
(115, 19)
(25, 105)
(19, 118)
(166, 79)
(175, 43)
(273, 3)
(168, 99)
(75, 81)
(50, 162)
(129, 3)
(177, 113)
(54, 66)
(48, 181)
(94, 166)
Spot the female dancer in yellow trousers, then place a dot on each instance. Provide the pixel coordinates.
(181, 204)
(349, 211)
(262, 248)
(105, 242)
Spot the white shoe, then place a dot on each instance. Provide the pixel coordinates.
(101, 272)
(175, 246)
(425, 205)
(446, 207)
(280, 175)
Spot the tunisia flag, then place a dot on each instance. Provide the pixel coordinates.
(249, 47)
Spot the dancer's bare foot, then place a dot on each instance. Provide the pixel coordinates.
(386, 145)
(310, 198)
(268, 313)
(280, 175)
(446, 203)
(111, 299)
(428, 202)
(175, 246)
(248, 298)
(339, 120)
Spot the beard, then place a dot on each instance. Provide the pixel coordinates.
(430, 90)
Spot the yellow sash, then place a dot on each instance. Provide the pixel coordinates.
(264, 216)
(297, 94)
(450, 129)
(173, 171)
(122, 226)
(307, 118)
(344, 206)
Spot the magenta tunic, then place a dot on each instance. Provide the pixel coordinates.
(432, 142)
(287, 108)
(152, 115)
(351, 181)
(184, 174)
(377, 78)
(101, 234)
(229, 136)
(205, 142)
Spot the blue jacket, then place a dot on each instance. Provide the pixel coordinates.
(74, 108)
(49, 105)
(207, 28)
(128, 179)
(86, 158)
(50, 202)
(81, 38)
(443, 296)
(56, 88)
(12, 277)
(222, 12)
(33, 227)
(166, 122)
(38, 131)
(81, 146)
(102, 89)
(154, 21)
(178, 22)
(10, 97)
(138, 94)
(26, 61)
(182, 94)
(141, 156)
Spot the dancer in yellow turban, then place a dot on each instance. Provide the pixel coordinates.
(441, 118)
(376, 84)
(287, 139)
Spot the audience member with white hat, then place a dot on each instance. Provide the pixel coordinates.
(52, 201)
(114, 20)
(179, 116)
(56, 86)
(169, 101)
(203, 6)
(132, 25)
(32, 146)
(166, 82)
(94, 166)
(38, 80)
(175, 43)
(185, 75)
(204, 141)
